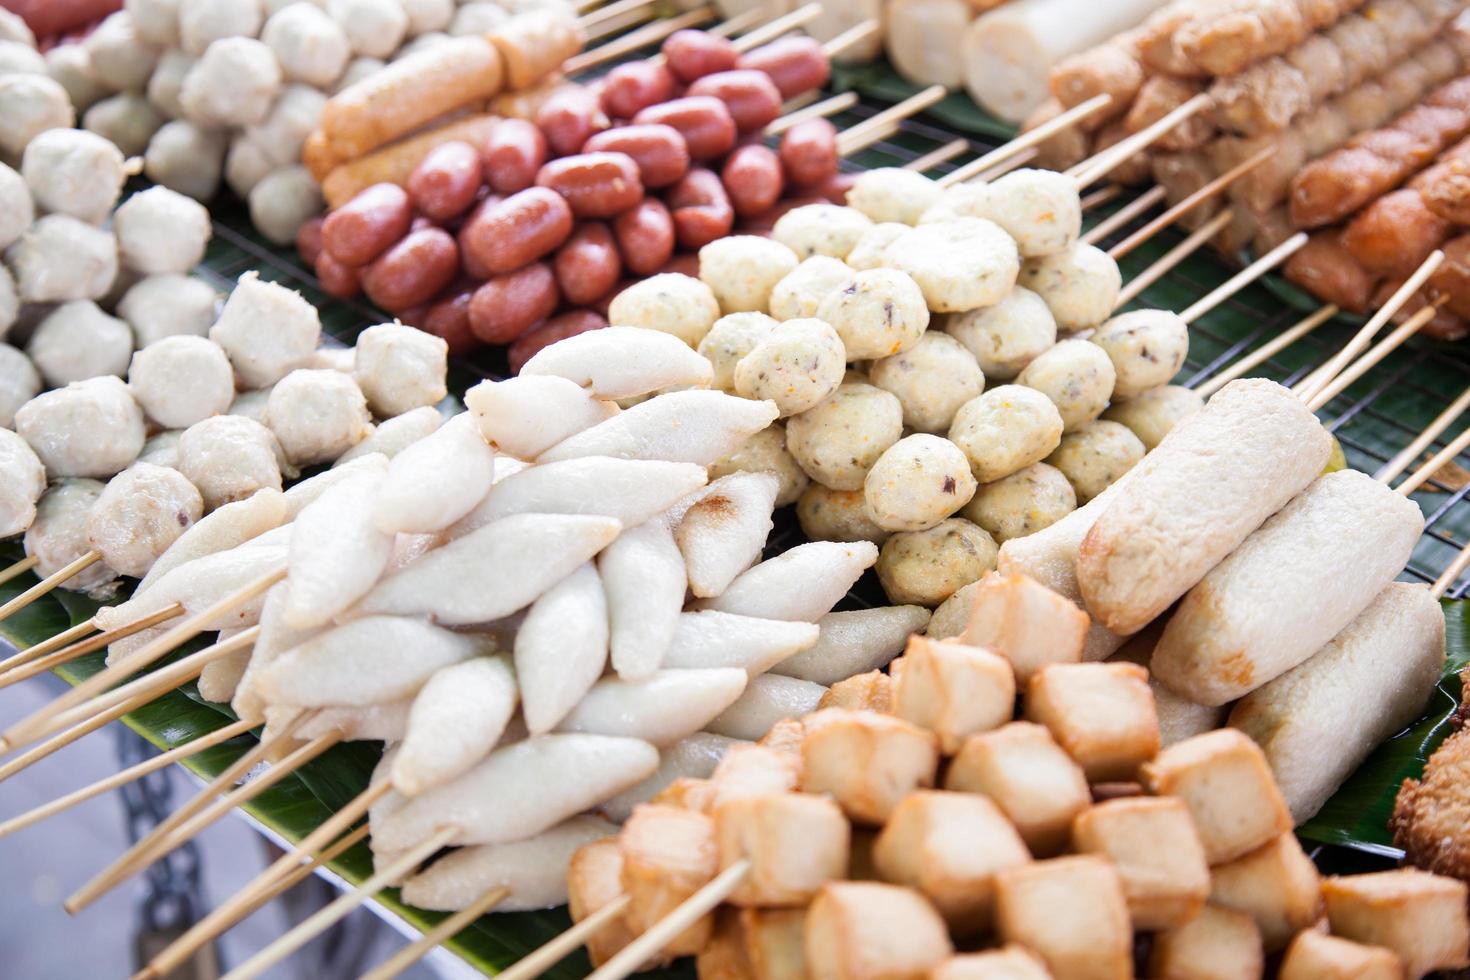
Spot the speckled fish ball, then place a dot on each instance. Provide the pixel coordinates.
(796, 365)
(266, 330)
(918, 482)
(229, 457)
(670, 302)
(61, 258)
(16, 208)
(162, 449)
(19, 383)
(1095, 455)
(837, 515)
(58, 536)
(72, 171)
(247, 162)
(802, 290)
(960, 265)
(932, 379)
(926, 567)
(159, 230)
(167, 81)
(182, 380)
(400, 368)
(969, 200)
(77, 341)
(821, 229)
(89, 428)
(1153, 414)
(71, 66)
(1077, 376)
(1147, 348)
(202, 22)
(374, 27)
(282, 201)
(292, 119)
(139, 514)
(308, 44)
(766, 452)
(121, 59)
(186, 158)
(838, 441)
(127, 120)
(30, 104)
(1023, 503)
(233, 83)
(1080, 284)
(730, 339)
(251, 404)
(317, 415)
(155, 21)
(22, 481)
(869, 251)
(168, 306)
(876, 312)
(1006, 429)
(893, 194)
(1007, 336)
(1040, 209)
(742, 270)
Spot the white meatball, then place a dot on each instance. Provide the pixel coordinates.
(742, 270)
(400, 368)
(202, 22)
(9, 302)
(1023, 503)
(159, 230)
(127, 120)
(821, 229)
(869, 251)
(837, 515)
(139, 514)
(1007, 336)
(182, 380)
(229, 457)
(730, 339)
(838, 441)
(893, 194)
(317, 415)
(71, 67)
(233, 83)
(1080, 284)
(918, 482)
(342, 359)
(16, 208)
(1077, 376)
(121, 59)
(360, 68)
(968, 200)
(283, 201)
(58, 536)
(61, 258)
(932, 379)
(876, 312)
(374, 27)
(1006, 429)
(960, 265)
(802, 290)
(89, 428)
(251, 404)
(247, 162)
(1147, 348)
(16, 58)
(19, 383)
(670, 302)
(77, 341)
(22, 481)
(766, 452)
(1040, 209)
(284, 131)
(1095, 455)
(1153, 414)
(162, 449)
(30, 104)
(425, 16)
(155, 21)
(477, 18)
(926, 567)
(14, 28)
(167, 306)
(796, 365)
(167, 81)
(186, 158)
(266, 329)
(308, 44)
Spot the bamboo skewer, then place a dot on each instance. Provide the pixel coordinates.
(450, 927)
(1196, 240)
(935, 157)
(1249, 274)
(633, 40)
(612, 11)
(97, 642)
(1006, 166)
(18, 568)
(1391, 469)
(1092, 170)
(60, 741)
(1028, 139)
(30, 653)
(1123, 215)
(799, 17)
(1188, 204)
(1380, 350)
(639, 951)
(1268, 350)
(1426, 472)
(1448, 577)
(50, 582)
(545, 957)
(854, 35)
(815, 110)
(1103, 195)
(869, 130)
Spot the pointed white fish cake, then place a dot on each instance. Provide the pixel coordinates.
(225, 528)
(561, 648)
(520, 791)
(490, 573)
(386, 722)
(620, 362)
(274, 639)
(855, 642)
(660, 709)
(681, 426)
(437, 480)
(220, 678)
(303, 494)
(803, 583)
(722, 533)
(630, 490)
(199, 584)
(768, 699)
(721, 639)
(457, 718)
(644, 579)
(525, 416)
(337, 552)
(533, 870)
(694, 757)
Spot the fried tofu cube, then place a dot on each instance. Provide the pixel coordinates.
(1152, 843)
(795, 843)
(1025, 622)
(1276, 884)
(1217, 944)
(723, 957)
(1071, 912)
(1008, 963)
(686, 793)
(668, 855)
(785, 737)
(1315, 956)
(872, 691)
(1224, 779)
(595, 878)
(1037, 785)
(859, 930)
(752, 770)
(774, 943)
(950, 846)
(1418, 915)
(866, 761)
(953, 690)
(1102, 714)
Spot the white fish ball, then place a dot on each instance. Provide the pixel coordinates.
(77, 341)
(182, 380)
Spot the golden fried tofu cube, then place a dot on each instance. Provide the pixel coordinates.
(950, 846)
(595, 878)
(1316, 956)
(872, 691)
(1102, 714)
(686, 793)
(1037, 785)
(668, 855)
(785, 737)
(953, 690)
(1224, 779)
(1217, 944)
(1152, 843)
(1025, 622)
(860, 930)
(795, 843)
(752, 770)
(723, 957)
(1276, 884)
(1007, 963)
(1418, 915)
(866, 761)
(1071, 912)
(774, 943)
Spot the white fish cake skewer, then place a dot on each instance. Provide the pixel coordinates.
(437, 480)
(199, 584)
(223, 529)
(274, 639)
(527, 415)
(681, 426)
(693, 757)
(629, 490)
(621, 362)
(719, 639)
(768, 699)
(302, 494)
(661, 709)
(644, 578)
(802, 584)
(724, 530)
(854, 642)
(385, 722)
(561, 648)
(337, 553)
(456, 719)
